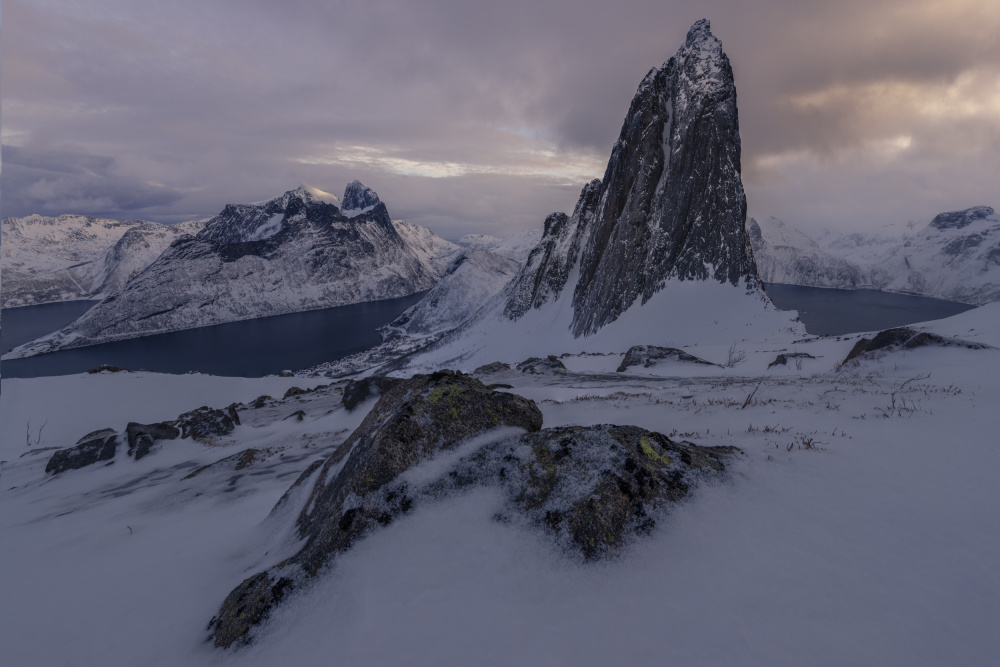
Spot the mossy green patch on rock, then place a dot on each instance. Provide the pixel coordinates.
(650, 450)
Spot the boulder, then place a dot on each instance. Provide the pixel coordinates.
(411, 422)
(142, 436)
(97, 446)
(648, 355)
(537, 366)
(906, 338)
(593, 488)
(782, 359)
(205, 422)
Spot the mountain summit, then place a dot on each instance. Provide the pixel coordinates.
(671, 204)
(656, 252)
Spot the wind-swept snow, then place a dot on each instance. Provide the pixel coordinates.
(857, 528)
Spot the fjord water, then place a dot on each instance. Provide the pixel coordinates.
(834, 312)
(25, 324)
(254, 348)
(251, 348)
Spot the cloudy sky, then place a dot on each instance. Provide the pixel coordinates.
(485, 116)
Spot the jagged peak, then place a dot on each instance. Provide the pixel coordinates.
(358, 196)
(700, 29)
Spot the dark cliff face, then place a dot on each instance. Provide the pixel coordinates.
(671, 205)
(547, 269)
(358, 196)
(672, 202)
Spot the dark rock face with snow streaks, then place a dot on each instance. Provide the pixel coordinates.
(671, 205)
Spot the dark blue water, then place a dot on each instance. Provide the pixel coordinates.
(268, 345)
(253, 348)
(834, 312)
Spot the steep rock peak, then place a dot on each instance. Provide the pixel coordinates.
(672, 204)
(959, 219)
(358, 196)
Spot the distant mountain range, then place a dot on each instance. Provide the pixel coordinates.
(956, 257)
(303, 250)
(47, 259)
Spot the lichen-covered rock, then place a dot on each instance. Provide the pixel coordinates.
(359, 391)
(592, 487)
(205, 422)
(782, 359)
(537, 365)
(247, 606)
(142, 436)
(648, 355)
(906, 338)
(94, 447)
(411, 422)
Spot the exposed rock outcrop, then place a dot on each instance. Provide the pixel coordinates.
(537, 365)
(905, 338)
(649, 355)
(412, 421)
(94, 447)
(592, 488)
(782, 359)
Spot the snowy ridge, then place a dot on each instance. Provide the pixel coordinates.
(433, 251)
(472, 278)
(317, 258)
(954, 257)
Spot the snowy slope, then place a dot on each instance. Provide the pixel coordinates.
(516, 247)
(843, 517)
(473, 277)
(48, 259)
(314, 257)
(955, 257)
(434, 252)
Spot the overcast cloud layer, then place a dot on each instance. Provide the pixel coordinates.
(484, 117)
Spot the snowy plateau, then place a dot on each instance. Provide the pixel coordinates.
(956, 256)
(609, 449)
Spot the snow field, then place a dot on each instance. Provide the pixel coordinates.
(858, 527)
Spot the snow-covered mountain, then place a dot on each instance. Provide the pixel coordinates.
(516, 247)
(295, 252)
(955, 257)
(70, 257)
(656, 253)
(786, 255)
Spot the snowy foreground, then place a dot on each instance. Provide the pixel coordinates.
(861, 525)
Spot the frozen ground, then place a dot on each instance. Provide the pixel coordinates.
(860, 527)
